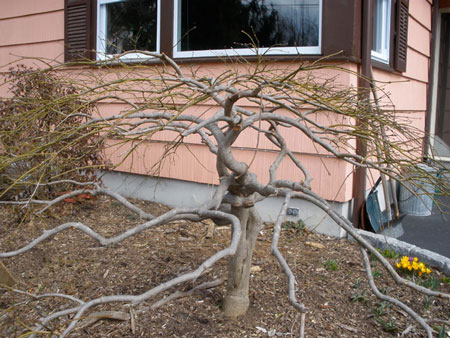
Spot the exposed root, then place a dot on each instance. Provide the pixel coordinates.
(182, 294)
(287, 270)
(96, 316)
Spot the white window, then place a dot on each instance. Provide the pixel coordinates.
(381, 33)
(219, 28)
(124, 25)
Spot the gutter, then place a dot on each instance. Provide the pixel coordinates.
(359, 176)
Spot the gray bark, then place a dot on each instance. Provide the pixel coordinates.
(236, 301)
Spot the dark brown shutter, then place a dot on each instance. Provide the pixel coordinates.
(401, 35)
(79, 29)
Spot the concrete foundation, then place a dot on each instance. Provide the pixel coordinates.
(176, 193)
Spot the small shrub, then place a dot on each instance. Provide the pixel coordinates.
(43, 136)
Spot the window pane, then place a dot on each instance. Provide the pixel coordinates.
(206, 25)
(377, 27)
(381, 28)
(130, 25)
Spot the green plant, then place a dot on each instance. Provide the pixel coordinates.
(381, 308)
(373, 258)
(389, 253)
(296, 227)
(359, 296)
(388, 326)
(427, 302)
(331, 264)
(430, 283)
(446, 279)
(376, 274)
(356, 284)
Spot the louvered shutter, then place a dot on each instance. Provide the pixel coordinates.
(401, 35)
(79, 29)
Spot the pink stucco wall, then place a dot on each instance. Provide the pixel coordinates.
(36, 29)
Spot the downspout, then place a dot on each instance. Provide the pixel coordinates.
(431, 71)
(359, 176)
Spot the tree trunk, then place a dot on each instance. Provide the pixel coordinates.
(236, 301)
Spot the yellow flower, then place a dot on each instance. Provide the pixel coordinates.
(413, 264)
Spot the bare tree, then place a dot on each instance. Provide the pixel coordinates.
(258, 97)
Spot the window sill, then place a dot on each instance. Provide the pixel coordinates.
(336, 58)
(383, 66)
(271, 58)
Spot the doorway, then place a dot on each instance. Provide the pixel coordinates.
(440, 119)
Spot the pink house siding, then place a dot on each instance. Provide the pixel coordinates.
(36, 29)
(31, 28)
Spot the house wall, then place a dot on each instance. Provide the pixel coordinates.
(35, 29)
(31, 29)
(408, 91)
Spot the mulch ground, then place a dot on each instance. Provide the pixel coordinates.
(331, 279)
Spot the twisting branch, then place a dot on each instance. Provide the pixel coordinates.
(45, 295)
(347, 226)
(170, 216)
(94, 192)
(164, 102)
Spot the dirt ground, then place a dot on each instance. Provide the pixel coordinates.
(330, 275)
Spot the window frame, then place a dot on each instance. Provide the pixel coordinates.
(340, 36)
(278, 51)
(101, 34)
(385, 32)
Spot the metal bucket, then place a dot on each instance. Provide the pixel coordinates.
(417, 201)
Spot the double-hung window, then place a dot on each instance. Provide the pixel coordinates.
(381, 31)
(127, 25)
(236, 27)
